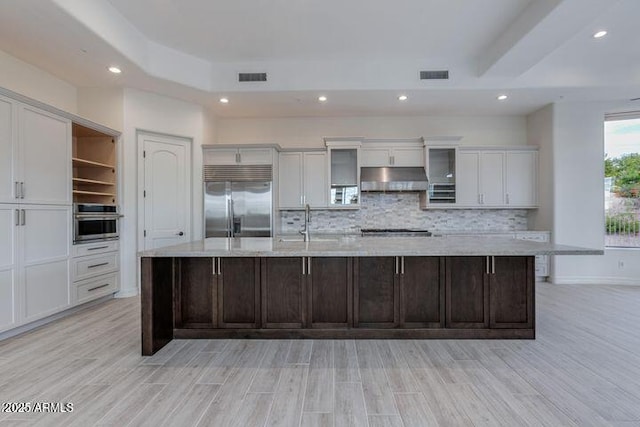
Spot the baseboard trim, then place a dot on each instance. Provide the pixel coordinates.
(41, 322)
(126, 293)
(590, 280)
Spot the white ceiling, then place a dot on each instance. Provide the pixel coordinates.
(361, 54)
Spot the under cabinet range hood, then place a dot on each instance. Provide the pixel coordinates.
(393, 179)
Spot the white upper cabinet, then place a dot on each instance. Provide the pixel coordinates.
(238, 156)
(290, 185)
(35, 155)
(45, 157)
(442, 173)
(408, 156)
(392, 153)
(344, 172)
(492, 178)
(376, 156)
(498, 178)
(522, 178)
(8, 151)
(315, 179)
(302, 179)
(468, 183)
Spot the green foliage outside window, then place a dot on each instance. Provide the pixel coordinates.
(625, 171)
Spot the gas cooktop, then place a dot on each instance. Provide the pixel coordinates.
(395, 232)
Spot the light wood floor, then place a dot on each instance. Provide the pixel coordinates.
(583, 369)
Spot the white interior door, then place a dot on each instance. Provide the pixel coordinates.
(166, 190)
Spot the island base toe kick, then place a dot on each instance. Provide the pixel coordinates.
(403, 297)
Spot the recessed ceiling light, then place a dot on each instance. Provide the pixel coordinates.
(600, 34)
(224, 100)
(403, 98)
(114, 69)
(502, 97)
(322, 98)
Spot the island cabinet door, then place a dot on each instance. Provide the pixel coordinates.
(376, 292)
(196, 294)
(467, 292)
(512, 284)
(422, 292)
(330, 292)
(239, 292)
(283, 292)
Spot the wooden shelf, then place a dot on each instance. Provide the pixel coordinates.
(93, 193)
(92, 181)
(90, 164)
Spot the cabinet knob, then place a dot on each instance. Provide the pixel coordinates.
(180, 233)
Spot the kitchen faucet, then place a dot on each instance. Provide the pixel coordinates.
(307, 219)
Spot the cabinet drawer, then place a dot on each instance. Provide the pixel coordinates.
(95, 248)
(95, 287)
(86, 267)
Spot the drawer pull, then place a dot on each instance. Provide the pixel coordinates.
(98, 287)
(97, 248)
(98, 265)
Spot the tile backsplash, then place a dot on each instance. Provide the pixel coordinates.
(402, 210)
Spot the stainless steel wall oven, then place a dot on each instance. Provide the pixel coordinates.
(95, 222)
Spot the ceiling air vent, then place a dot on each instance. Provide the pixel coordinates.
(252, 77)
(434, 75)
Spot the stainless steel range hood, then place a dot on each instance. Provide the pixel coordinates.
(393, 179)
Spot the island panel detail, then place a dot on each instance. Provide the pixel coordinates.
(336, 297)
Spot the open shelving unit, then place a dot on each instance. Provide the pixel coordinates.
(94, 166)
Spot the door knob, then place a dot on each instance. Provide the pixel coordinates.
(180, 233)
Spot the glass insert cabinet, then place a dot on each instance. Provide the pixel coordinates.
(344, 172)
(442, 171)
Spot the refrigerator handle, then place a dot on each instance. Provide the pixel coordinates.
(231, 219)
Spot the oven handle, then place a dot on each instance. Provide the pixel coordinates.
(100, 216)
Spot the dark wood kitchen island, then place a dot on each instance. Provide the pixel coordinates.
(342, 287)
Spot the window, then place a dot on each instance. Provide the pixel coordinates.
(622, 180)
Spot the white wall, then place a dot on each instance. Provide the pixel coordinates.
(540, 133)
(578, 133)
(209, 128)
(571, 141)
(35, 83)
(308, 132)
(145, 111)
(102, 105)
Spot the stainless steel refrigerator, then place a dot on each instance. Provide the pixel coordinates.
(237, 201)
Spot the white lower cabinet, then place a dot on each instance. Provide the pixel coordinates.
(95, 268)
(35, 243)
(96, 287)
(542, 261)
(9, 302)
(46, 289)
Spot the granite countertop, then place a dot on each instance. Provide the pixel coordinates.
(353, 246)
